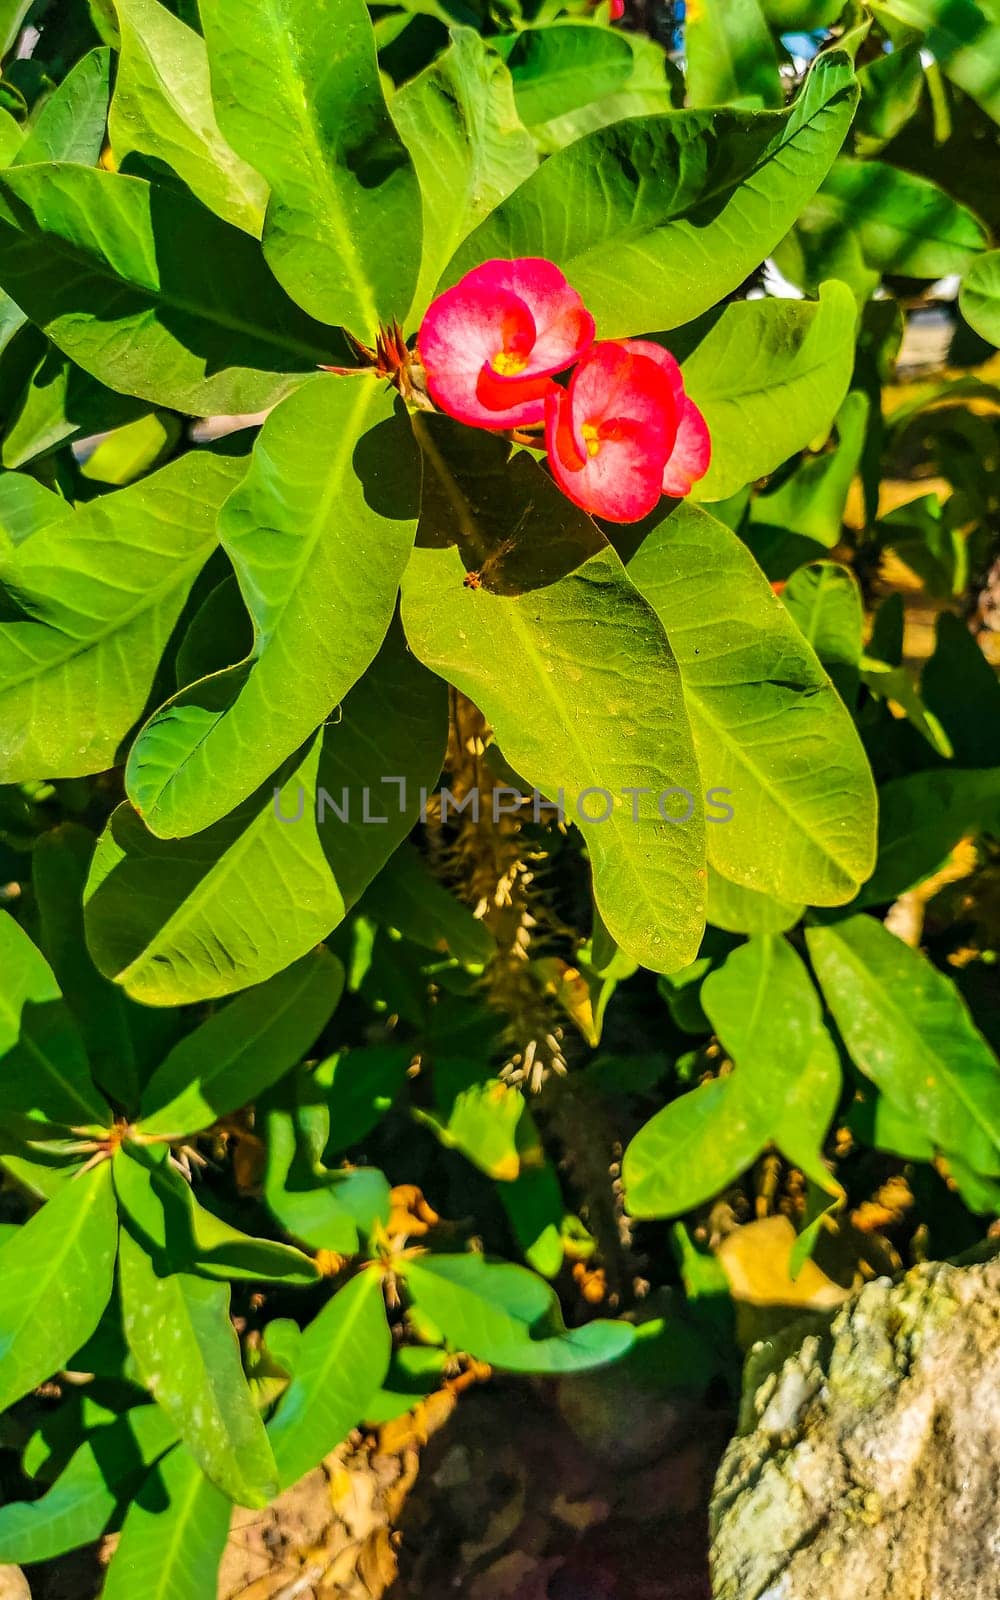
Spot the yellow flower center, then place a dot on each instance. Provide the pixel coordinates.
(591, 438)
(508, 363)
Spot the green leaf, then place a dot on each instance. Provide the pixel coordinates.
(655, 218)
(737, 909)
(962, 691)
(770, 376)
(102, 263)
(773, 736)
(908, 1029)
(319, 530)
(535, 1210)
(185, 919)
(764, 1008)
(60, 403)
(325, 1208)
(181, 1235)
(77, 1508)
(784, 1088)
(922, 817)
(70, 125)
(963, 37)
(477, 1115)
(408, 897)
(297, 93)
(130, 452)
(902, 222)
(341, 1361)
(358, 1087)
(243, 1048)
(979, 296)
(96, 597)
(163, 108)
(120, 1037)
(460, 124)
(559, 68)
(507, 1316)
(730, 55)
(532, 659)
(812, 500)
(891, 86)
(57, 1274)
(188, 1356)
(25, 506)
(824, 599)
(44, 1064)
(173, 1537)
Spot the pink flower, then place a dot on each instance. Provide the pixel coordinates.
(692, 450)
(611, 432)
(491, 344)
(616, 10)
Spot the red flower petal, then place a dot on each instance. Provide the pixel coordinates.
(609, 434)
(692, 453)
(693, 450)
(491, 344)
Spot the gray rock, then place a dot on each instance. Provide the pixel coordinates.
(868, 1462)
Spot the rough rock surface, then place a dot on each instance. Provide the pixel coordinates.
(868, 1462)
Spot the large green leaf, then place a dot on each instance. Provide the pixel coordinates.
(903, 223)
(654, 219)
(77, 1508)
(173, 1537)
(95, 597)
(102, 263)
(70, 124)
(184, 919)
(770, 376)
(319, 533)
(188, 1356)
(43, 1064)
(459, 121)
(298, 94)
(163, 108)
(242, 1048)
(507, 1316)
(979, 297)
(825, 600)
(340, 1363)
(578, 681)
(784, 1088)
(963, 36)
(922, 817)
(691, 1150)
(908, 1029)
(768, 725)
(730, 55)
(57, 1274)
(559, 68)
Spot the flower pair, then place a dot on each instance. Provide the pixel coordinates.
(618, 435)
